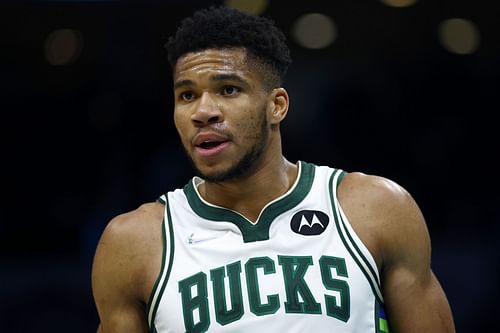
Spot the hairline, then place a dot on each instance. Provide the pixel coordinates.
(251, 59)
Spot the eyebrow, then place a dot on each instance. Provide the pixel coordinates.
(183, 83)
(215, 78)
(228, 77)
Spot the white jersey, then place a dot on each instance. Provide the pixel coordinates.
(299, 268)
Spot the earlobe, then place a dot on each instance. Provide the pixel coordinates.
(279, 105)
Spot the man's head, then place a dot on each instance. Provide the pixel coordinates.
(227, 69)
(222, 27)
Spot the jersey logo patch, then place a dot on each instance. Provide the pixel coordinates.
(309, 222)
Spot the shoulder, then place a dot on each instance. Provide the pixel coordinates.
(374, 193)
(130, 249)
(380, 198)
(391, 225)
(133, 234)
(133, 230)
(136, 223)
(383, 213)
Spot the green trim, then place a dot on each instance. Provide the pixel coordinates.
(157, 282)
(163, 261)
(337, 218)
(161, 199)
(360, 253)
(356, 247)
(260, 230)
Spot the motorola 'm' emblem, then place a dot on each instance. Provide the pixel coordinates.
(309, 222)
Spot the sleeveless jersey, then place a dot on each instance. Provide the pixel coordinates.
(299, 268)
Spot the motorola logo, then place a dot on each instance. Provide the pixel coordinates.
(309, 222)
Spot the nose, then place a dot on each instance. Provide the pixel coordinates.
(207, 111)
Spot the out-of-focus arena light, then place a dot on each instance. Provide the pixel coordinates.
(314, 31)
(63, 47)
(255, 7)
(399, 3)
(459, 36)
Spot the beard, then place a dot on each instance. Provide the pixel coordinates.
(240, 167)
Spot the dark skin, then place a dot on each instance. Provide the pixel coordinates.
(220, 91)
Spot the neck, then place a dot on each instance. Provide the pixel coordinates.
(249, 194)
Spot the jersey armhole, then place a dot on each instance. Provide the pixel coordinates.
(166, 264)
(162, 199)
(359, 252)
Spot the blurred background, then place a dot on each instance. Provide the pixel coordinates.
(405, 89)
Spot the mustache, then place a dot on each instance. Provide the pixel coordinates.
(216, 128)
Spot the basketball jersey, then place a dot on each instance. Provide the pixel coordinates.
(299, 268)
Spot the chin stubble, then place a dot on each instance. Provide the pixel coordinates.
(241, 167)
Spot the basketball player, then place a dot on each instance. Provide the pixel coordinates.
(257, 243)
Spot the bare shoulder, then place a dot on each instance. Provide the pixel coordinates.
(391, 225)
(377, 197)
(130, 249)
(135, 225)
(134, 233)
(373, 191)
(383, 213)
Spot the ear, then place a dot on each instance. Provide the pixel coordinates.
(278, 106)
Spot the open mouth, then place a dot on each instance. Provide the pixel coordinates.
(211, 148)
(210, 144)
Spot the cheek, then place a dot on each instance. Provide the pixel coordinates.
(180, 123)
(250, 127)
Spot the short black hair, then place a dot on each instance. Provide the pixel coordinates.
(223, 27)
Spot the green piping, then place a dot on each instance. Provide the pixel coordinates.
(336, 218)
(169, 268)
(260, 230)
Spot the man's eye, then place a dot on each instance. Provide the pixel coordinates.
(230, 91)
(187, 96)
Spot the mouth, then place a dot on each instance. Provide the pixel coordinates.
(210, 144)
(211, 148)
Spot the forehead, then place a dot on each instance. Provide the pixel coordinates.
(214, 61)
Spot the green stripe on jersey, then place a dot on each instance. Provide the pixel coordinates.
(372, 280)
(161, 281)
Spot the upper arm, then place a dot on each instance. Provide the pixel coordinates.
(116, 279)
(414, 299)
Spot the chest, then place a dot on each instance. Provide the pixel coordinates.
(301, 267)
(302, 272)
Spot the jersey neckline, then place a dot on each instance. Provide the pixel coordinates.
(260, 230)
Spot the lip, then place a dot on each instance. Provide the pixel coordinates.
(211, 152)
(210, 136)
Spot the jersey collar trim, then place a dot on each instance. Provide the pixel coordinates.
(260, 230)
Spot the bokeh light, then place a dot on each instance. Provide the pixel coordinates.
(63, 47)
(314, 31)
(399, 3)
(459, 36)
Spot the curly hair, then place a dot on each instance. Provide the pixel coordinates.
(223, 27)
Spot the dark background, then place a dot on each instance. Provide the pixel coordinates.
(83, 142)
